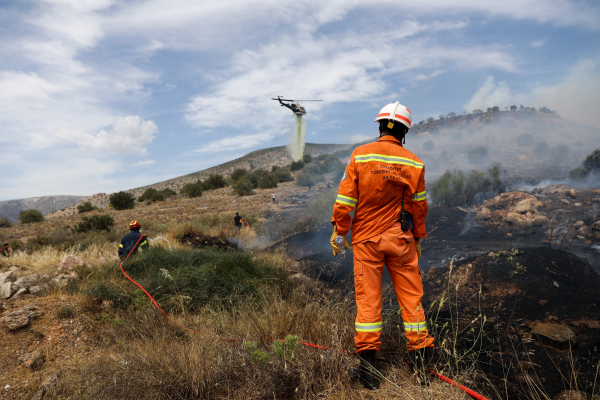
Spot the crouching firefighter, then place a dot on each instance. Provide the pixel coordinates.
(132, 241)
(385, 184)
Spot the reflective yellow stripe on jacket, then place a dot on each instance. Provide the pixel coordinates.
(388, 160)
(349, 201)
(419, 196)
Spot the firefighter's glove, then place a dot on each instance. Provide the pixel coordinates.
(418, 247)
(336, 249)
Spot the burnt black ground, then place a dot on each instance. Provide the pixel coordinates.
(556, 286)
(451, 233)
(511, 304)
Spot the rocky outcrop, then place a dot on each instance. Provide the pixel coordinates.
(70, 262)
(554, 335)
(27, 281)
(19, 319)
(11, 288)
(7, 288)
(513, 208)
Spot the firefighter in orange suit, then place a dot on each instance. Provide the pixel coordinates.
(385, 184)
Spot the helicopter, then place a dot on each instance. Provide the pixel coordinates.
(294, 105)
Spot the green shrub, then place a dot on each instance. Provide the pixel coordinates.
(304, 179)
(257, 356)
(101, 291)
(38, 242)
(456, 188)
(65, 312)
(15, 244)
(148, 194)
(254, 176)
(243, 187)
(122, 201)
(86, 207)
(428, 145)
(283, 175)
(314, 169)
(29, 216)
(195, 277)
(297, 165)
(152, 195)
(214, 182)
(5, 223)
(307, 158)
(95, 223)
(590, 163)
(192, 189)
(478, 155)
(578, 173)
(267, 181)
(238, 173)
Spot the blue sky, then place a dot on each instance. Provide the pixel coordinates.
(105, 95)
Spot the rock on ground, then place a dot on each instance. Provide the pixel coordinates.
(9, 276)
(7, 290)
(70, 262)
(46, 389)
(27, 281)
(33, 360)
(554, 335)
(19, 319)
(21, 292)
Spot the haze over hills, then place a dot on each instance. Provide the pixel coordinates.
(46, 204)
(536, 145)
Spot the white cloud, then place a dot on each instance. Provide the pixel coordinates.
(338, 68)
(128, 135)
(144, 162)
(234, 143)
(538, 43)
(576, 97)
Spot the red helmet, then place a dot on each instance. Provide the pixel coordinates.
(134, 225)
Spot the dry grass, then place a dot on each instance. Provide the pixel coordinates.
(154, 359)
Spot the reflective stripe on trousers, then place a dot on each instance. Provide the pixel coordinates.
(396, 249)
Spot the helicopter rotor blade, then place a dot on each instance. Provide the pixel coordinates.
(278, 98)
(307, 100)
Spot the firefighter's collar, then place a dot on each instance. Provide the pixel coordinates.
(389, 138)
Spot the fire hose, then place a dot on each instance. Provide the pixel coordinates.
(2, 249)
(470, 392)
(232, 224)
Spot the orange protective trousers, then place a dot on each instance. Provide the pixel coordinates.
(396, 249)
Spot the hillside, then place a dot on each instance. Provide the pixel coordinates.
(46, 204)
(259, 159)
(533, 145)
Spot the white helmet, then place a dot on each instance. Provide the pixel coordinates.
(395, 112)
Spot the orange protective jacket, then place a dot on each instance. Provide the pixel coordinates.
(375, 178)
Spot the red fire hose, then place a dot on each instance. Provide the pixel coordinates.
(471, 393)
(2, 249)
(468, 391)
(232, 224)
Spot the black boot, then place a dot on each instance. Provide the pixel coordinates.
(421, 362)
(366, 372)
